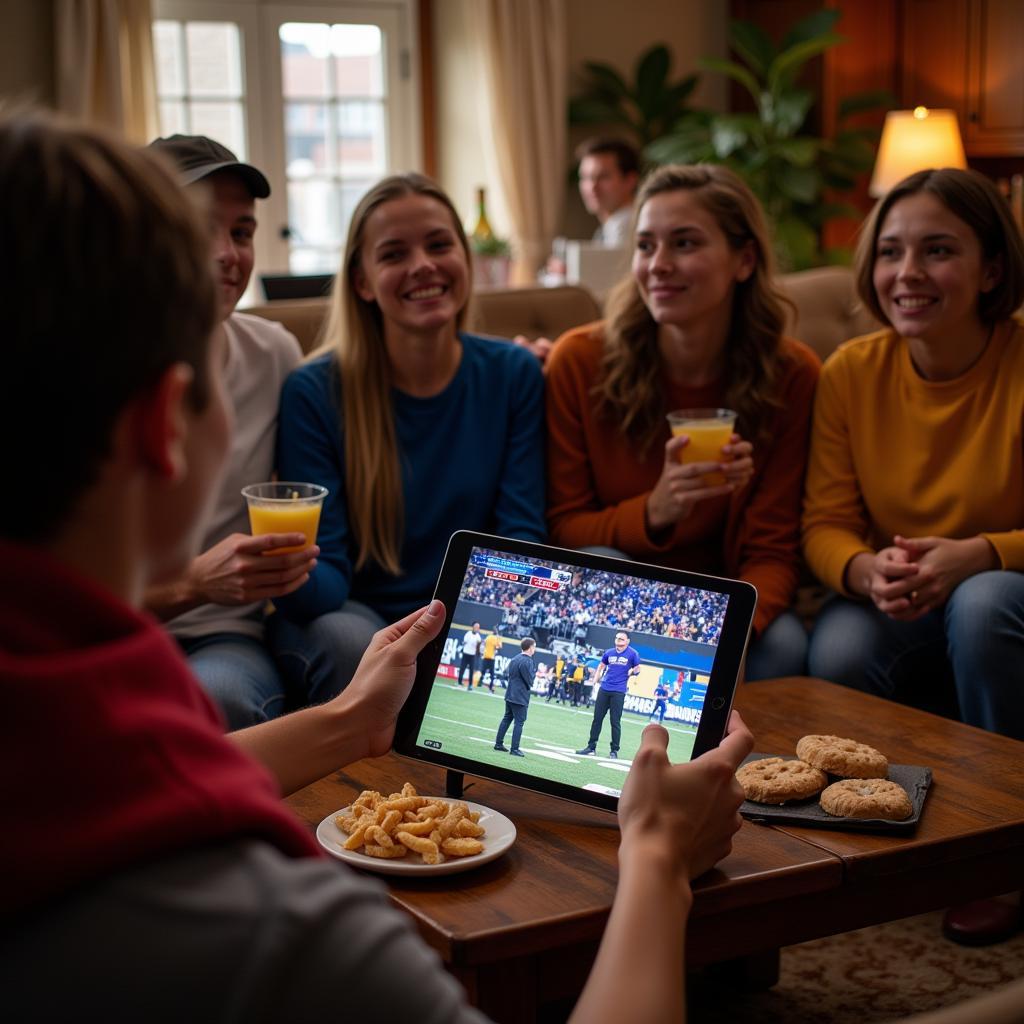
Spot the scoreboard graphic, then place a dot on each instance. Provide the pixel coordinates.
(511, 570)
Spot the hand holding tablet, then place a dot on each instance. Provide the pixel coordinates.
(625, 635)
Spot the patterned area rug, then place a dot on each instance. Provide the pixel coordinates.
(872, 975)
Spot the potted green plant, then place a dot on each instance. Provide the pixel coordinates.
(645, 109)
(492, 256)
(790, 170)
(492, 261)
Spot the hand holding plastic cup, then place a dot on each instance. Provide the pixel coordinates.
(708, 430)
(285, 507)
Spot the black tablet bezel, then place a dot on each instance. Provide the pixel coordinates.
(721, 685)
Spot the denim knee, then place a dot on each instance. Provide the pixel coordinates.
(984, 614)
(843, 643)
(239, 673)
(320, 657)
(985, 641)
(781, 650)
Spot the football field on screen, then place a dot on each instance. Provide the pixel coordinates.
(465, 724)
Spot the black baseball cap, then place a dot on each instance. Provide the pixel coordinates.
(197, 157)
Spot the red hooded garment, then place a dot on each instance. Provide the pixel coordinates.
(111, 754)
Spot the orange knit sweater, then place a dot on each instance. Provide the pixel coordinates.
(598, 482)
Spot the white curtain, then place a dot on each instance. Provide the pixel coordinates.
(105, 69)
(525, 58)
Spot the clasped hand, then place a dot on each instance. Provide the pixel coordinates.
(681, 486)
(916, 575)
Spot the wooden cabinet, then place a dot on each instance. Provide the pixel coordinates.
(966, 55)
(962, 55)
(995, 82)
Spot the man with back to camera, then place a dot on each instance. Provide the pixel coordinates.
(521, 670)
(174, 885)
(617, 664)
(215, 610)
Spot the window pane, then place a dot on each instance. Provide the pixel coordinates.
(351, 193)
(362, 146)
(358, 60)
(214, 58)
(220, 121)
(172, 118)
(304, 52)
(314, 261)
(307, 150)
(170, 61)
(314, 213)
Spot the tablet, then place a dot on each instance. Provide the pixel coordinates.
(615, 644)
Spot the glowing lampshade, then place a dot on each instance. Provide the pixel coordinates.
(915, 140)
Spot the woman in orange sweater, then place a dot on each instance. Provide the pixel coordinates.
(697, 324)
(915, 491)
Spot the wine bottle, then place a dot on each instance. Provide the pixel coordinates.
(482, 232)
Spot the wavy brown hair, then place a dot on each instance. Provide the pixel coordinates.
(976, 201)
(630, 389)
(355, 331)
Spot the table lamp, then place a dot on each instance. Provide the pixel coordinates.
(914, 140)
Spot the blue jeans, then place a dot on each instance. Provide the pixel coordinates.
(781, 650)
(319, 658)
(965, 659)
(238, 672)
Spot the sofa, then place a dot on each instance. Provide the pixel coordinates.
(502, 312)
(826, 311)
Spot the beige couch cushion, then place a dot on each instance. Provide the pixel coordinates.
(503, 312)
(537, 312)
(828, 310)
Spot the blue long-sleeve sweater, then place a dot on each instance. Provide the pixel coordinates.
(472, 458)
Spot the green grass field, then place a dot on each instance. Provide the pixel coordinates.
(465, 723)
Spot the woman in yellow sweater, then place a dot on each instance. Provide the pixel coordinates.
(915, 488)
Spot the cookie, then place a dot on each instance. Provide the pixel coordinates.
(867, 798)
(838, 756)
(773, 780)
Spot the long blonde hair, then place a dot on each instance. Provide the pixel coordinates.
(355, 330)
(630, 390)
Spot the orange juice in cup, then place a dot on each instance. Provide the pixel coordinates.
(285, 508)
(708, 430)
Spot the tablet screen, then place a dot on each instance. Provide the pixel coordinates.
(612, 650)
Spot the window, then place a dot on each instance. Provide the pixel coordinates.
(335, 128)
(199, 80)
(320, 95)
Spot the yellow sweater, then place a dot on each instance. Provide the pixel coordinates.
(894, 453)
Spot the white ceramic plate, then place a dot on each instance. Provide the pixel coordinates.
(501, 834)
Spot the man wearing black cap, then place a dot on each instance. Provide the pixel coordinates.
(216, 609)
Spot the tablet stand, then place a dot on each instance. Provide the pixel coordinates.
(453, 784)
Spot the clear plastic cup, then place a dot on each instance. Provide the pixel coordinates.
(285, 507)
(708, 430)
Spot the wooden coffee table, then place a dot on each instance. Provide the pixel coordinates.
(523, 930)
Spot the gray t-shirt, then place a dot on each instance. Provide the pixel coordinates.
(236, 933)
(260, 355)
